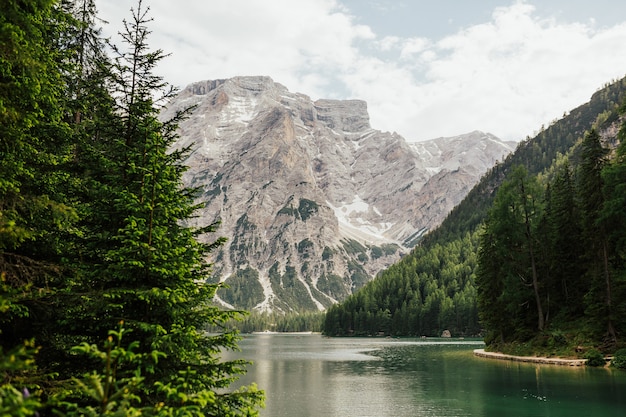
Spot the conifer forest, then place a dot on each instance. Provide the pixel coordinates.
(103, 300)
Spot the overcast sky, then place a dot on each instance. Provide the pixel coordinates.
(426, 68)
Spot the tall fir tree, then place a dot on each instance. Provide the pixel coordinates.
(92, 223)
(490, 287)
(566, 287)
(140, 264)
(613, 215)
(36, 217)
(508, 276)
(599, 299)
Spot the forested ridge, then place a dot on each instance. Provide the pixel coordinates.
(451, 281)
(536, 154)
(103, 293)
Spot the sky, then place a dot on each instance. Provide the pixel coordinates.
(426, 69)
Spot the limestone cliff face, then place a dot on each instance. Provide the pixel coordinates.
(313, 201)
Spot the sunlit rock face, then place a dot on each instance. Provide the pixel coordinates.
(313, 201)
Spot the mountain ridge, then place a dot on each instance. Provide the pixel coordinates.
(313, 200)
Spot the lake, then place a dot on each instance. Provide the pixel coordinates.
(310, 375)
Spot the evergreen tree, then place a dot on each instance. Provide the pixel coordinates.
(490, 287)
(613, 215)
(509, 261)
(83, 60)
(92, 221)
(599, 302)
(566, 287)
(36, 217)
(141, 264)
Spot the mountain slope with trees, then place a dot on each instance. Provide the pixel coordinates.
(435, 287)
(551, 266)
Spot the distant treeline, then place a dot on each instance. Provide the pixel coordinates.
(306, 321)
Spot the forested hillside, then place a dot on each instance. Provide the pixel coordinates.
(435, 287)
(552, 261)
(103, 298)
(536, 154)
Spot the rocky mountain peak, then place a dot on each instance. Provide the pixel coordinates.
(313, 201)
(349, 116)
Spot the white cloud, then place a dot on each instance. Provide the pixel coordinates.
(389, 43)
(289, 41)
(414, 46)
(506, 76)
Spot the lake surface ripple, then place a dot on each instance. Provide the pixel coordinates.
(310, 375)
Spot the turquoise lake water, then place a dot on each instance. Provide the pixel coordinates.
(309, 375)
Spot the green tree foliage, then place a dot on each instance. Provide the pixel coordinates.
(92, 227)
(36, 219)
(600, 297)
(15, 366)
(492, 307)
(428, 291)
(579, 262)
(564, 286)
(509, 275)
(116, 389)
(613, 216)
(33, 139)
(307, 321)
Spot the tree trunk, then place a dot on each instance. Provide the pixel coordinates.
(533, 264)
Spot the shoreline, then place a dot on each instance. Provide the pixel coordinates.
(529, 359)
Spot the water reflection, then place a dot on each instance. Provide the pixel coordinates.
(540, 390)
(313, 376)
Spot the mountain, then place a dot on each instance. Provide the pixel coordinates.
(314, 202)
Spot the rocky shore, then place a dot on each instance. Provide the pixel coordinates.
(530, 359)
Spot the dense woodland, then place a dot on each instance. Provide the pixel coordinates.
(533, 258)
(103, 300)
(428, 291)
